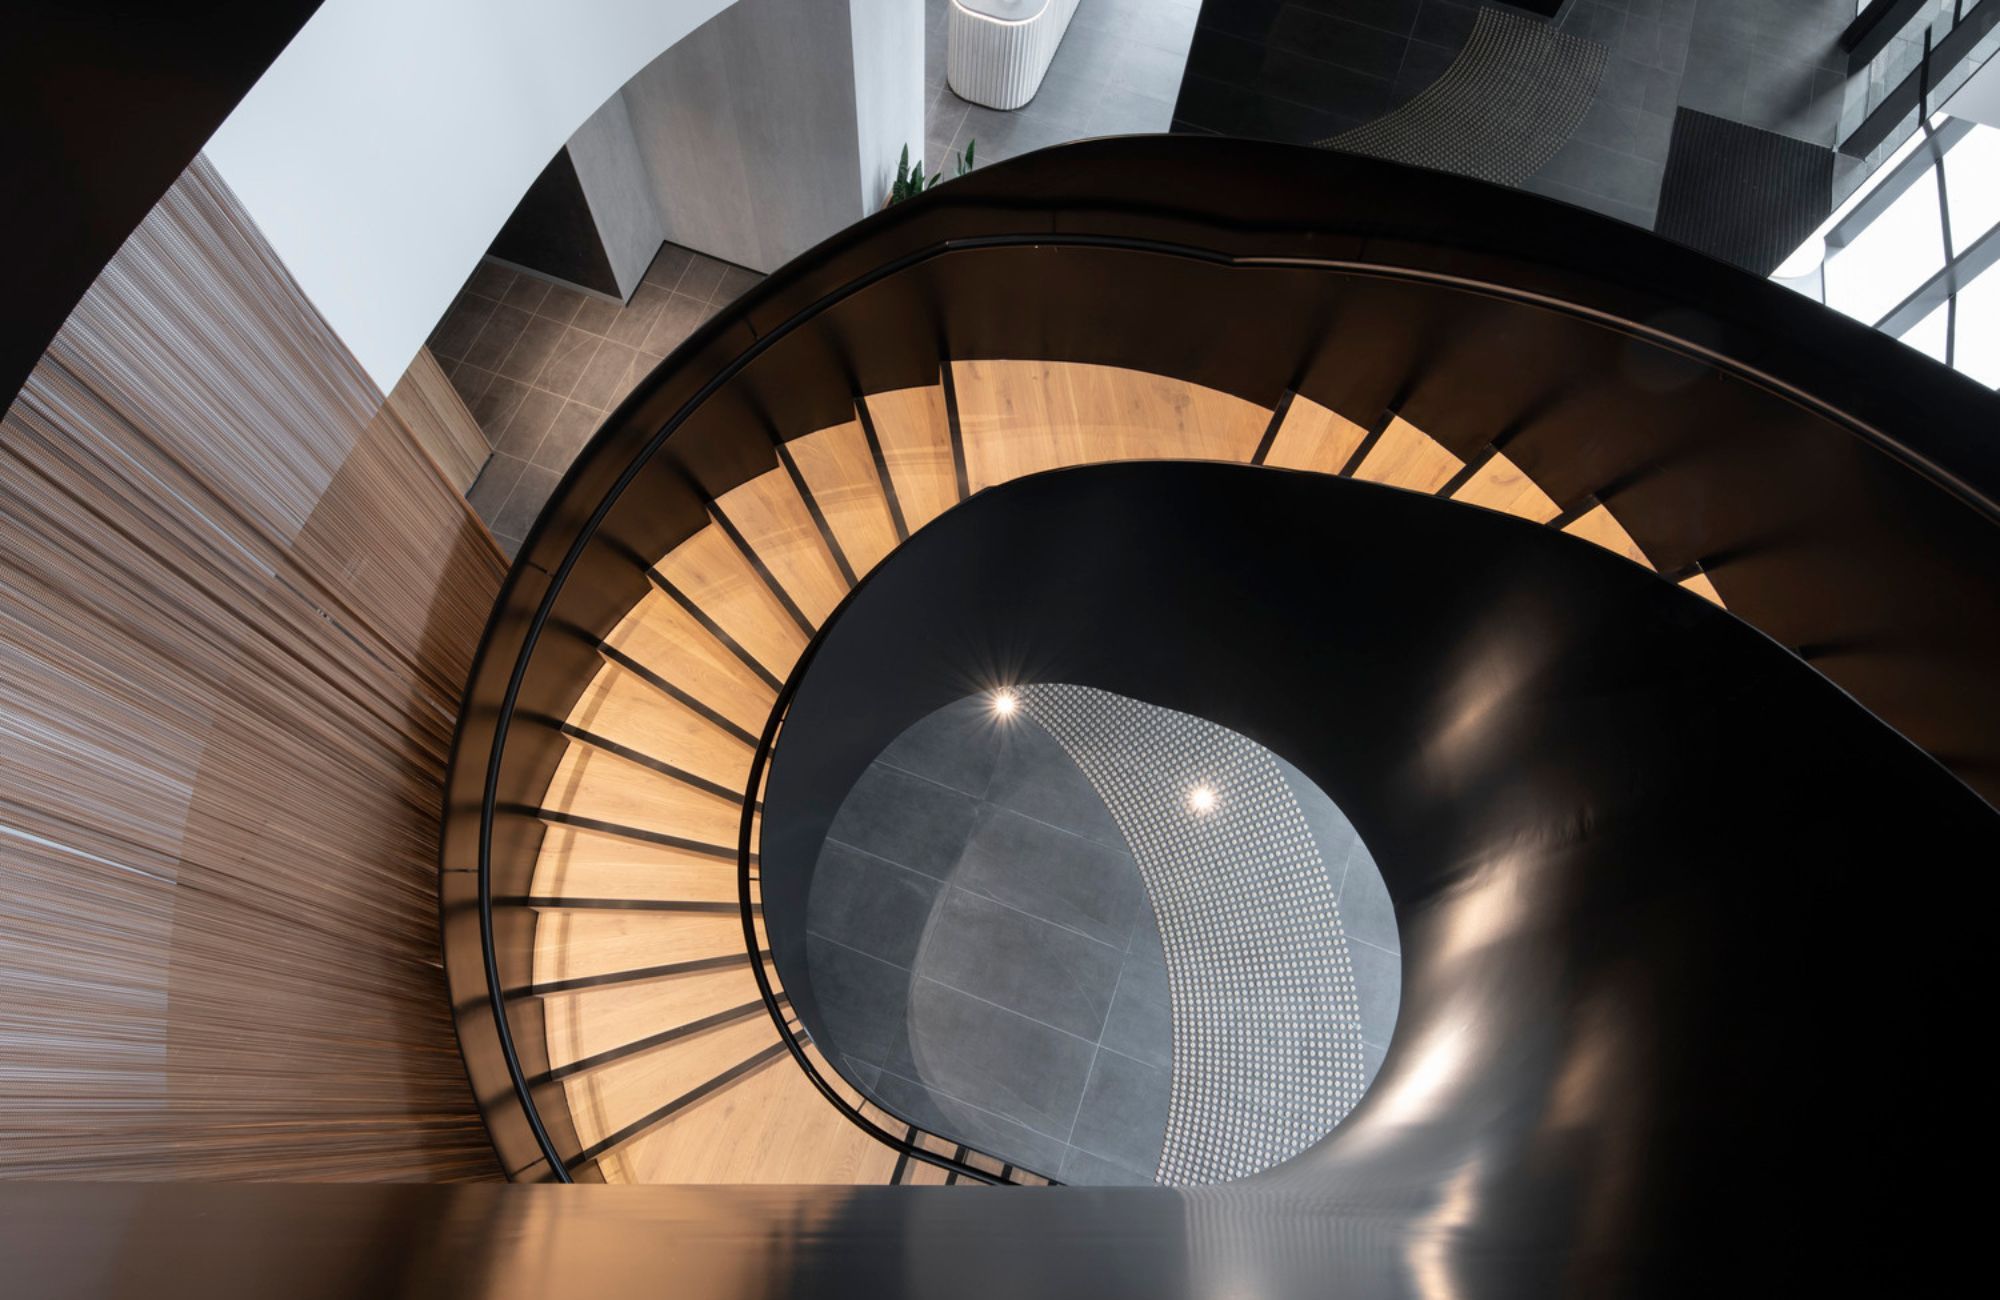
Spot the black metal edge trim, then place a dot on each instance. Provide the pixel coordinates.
(805, 492)
(957, 435)
(1270, 437)
(887, 480)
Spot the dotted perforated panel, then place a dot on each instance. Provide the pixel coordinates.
(1267, 1030)
(1501, 110)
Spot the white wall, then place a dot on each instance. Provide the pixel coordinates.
(385, 147)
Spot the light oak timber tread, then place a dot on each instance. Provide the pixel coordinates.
(619, 1094)
(915, 433)
(1407, 457)
(591, 1021)
(669, 643)
(1499, 484)
(609, 788)
(839, 470)
(719, 580)
(1314, 438)
(770, 1127)
(623, 707)
(1701, 585)
(768, 514)
(579, 863)
(1023, 417)
(569, 945)
(1598, 525)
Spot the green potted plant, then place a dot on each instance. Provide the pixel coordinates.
(910, 183)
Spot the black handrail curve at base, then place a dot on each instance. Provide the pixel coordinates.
(1838, 488)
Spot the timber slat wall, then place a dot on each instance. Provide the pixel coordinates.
(238, 602)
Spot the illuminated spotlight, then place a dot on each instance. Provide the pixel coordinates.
(1201, 800)
(1005, 702)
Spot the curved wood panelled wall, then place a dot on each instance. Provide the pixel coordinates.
(239, 603)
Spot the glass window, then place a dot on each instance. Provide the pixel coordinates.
(1972, 186)
(1978, 350)
(1928, 335)
(1894, 255)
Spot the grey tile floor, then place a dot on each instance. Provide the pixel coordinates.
(1303, 70)
(985, 956)
(1117, 72)
(541, 364)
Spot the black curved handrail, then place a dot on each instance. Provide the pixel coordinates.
(1443, 255)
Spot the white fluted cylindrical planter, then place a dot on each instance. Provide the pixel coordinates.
(999, 50)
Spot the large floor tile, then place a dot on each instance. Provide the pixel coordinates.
(1036, 778)
(1124, 1113)
(957, 746)
(861, 999)
(1141, 1021)
(911, 822)
(992, 1058)
(871, 905)
(1011, 959)
(982, 1130)
(1053, 874)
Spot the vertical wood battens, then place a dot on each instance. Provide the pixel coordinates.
(238, 602)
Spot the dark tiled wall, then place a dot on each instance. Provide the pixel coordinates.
(541, 364)
(1303, 70)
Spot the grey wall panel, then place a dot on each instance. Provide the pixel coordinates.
(619, 190)
(751, 132)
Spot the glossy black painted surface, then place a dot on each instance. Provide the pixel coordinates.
(1643, 859)
(101, 106)
(1838, 488)
(552, 231)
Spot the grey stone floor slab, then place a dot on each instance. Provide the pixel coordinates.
(906, 820)
(1036, 778)
(998, 1060)
(1140, 1023)
(1052, 874)
(872, 905)
(955, 747)
(1041, 971)
(1123, 1117)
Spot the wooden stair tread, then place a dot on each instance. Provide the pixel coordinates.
(607, 787)
(772, 519)
(915, 433)
(1501, 485)
(625, 1092)
(772, 1127)
(624, 708)
(1024, 417)
(1598, 525)
(573, 944)
(1314, 438)
(582, 1024)
(709, 570)
(1701, 585)
(839, 470)
(666, 639)
(579, 863)
(1407, 457)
